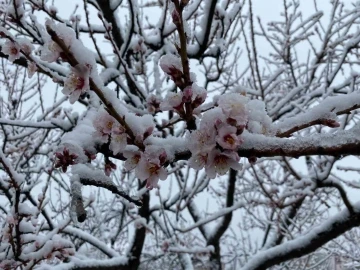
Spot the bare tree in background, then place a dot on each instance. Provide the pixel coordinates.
(248, 124)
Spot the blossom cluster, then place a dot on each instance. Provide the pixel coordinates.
(14, 48)
(148, 162)
(148, 165)
(215, 143)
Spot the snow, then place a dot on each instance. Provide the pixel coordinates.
(76, 262)
(301, 242)
(140, 118)
(327, 110)
(88, 172)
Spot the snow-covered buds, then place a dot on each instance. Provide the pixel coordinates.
(51, 50)
(234, 107)
(193, 95)
(148, 162)
(190, 95)
(172, 66)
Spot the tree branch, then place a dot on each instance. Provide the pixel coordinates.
(303, 245)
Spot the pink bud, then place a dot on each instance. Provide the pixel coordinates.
(176, 17)
(165, 246)
(148, 132)
(252, 160)
(187, 94)
(331, 123)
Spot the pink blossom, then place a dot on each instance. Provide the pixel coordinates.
(202, 140)
(65, 159)
(118, 138)
(212, 118)
(132, 159)
(234, 107)
(220, 162)
(227, 137)
(77, 83)
(11, 49)
(150, 172)
(50, 51)
(25, 45)
(198, 160)
(8, 264)
(103, 125)
(172, 101)
(150, 166)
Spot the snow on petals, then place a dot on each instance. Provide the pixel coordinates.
(118, 138)
(25, 45)
(51, 51)
(234, 107)
(172, 101)
(132, 159)
(106, 127)
(170, 63)
(103, 124)
(77, 83)
(172, 66)
(12, 49)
